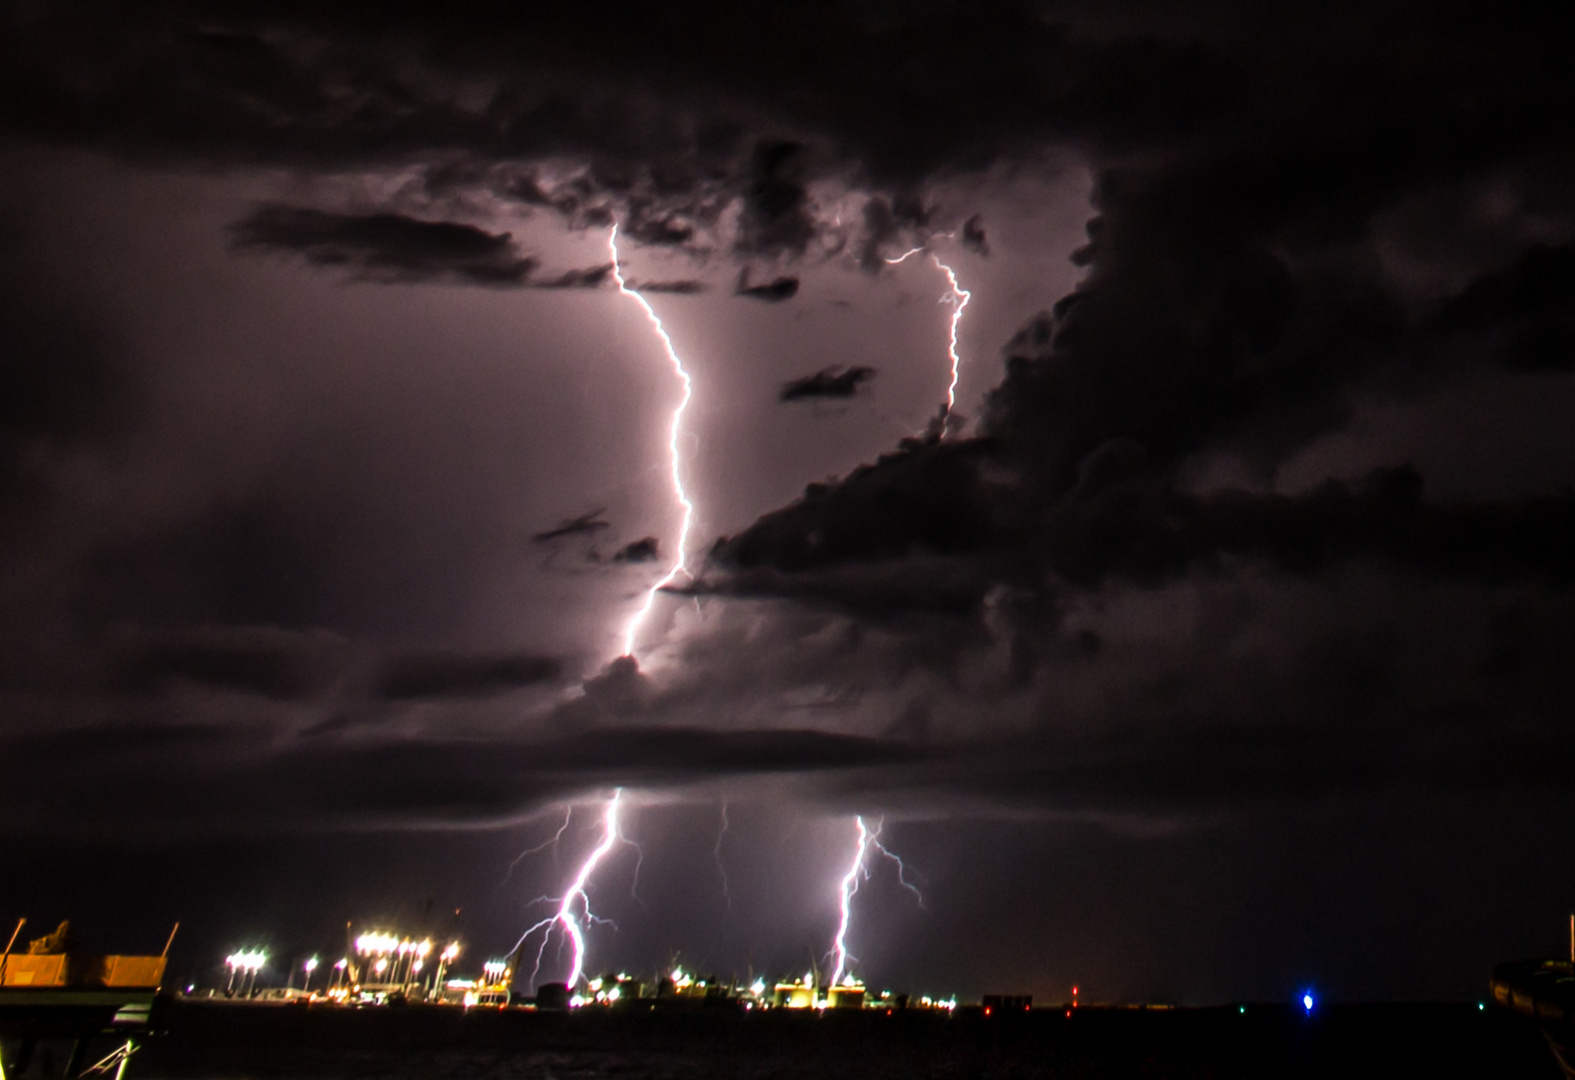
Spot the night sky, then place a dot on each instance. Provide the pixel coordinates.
(1219, 643)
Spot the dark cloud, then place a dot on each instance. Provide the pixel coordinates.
(1526, 313)
(886, 221)
(925, 498)
(677, 286)
(827, 383)
(454, 675)
(773, 292)
(1175, 575)
(381, 783)
(591, 277)
(387, 247)
(973, 237)
(267, 663)
(1119, 524)
(586, 524)
(881, 592)
(638, 551)
(776, 216)
(668, 232)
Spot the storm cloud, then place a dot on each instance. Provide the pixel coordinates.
(827, 383)
(387, 247)
(1258, 524)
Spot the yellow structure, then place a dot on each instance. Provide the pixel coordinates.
(77, 970)
(794, 995)
(846, 996)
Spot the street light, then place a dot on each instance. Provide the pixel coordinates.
(246, 963)
(310, 966)
(445, 958)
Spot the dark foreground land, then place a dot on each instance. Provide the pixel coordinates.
(221, 1041)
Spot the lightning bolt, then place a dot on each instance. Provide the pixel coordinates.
(857, 871)
(682, 497)
(958, 299)
(902, 869)
(850, 885)
(574, 914)
(568, 812)
(575, 904)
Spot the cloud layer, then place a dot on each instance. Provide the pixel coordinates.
(1270, 515)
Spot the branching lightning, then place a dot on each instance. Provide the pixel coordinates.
(568, 813)
(958, 299)
(857, 871)
(682, 497)
(574, 914)
(902, 869)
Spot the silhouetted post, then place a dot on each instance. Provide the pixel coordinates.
(6, 958)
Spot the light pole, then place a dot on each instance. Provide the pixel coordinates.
(445, 958)
(246, 964)
(255, 960)
(378, 947)
(310, 966)
(419, 950)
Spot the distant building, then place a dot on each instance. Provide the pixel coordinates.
(845, 997)
(794, 995)
(552, 997)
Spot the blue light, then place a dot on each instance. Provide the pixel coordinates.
(1307, 1001)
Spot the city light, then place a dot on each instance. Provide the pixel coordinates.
(376, 944)
(246, 963)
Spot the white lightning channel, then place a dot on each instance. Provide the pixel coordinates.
(958, 299)
(850, 885)
(678, 567)
(902, 867)
(575, 898)
(858, 870)
(568, 813)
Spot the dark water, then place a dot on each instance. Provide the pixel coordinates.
(220, 1041)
